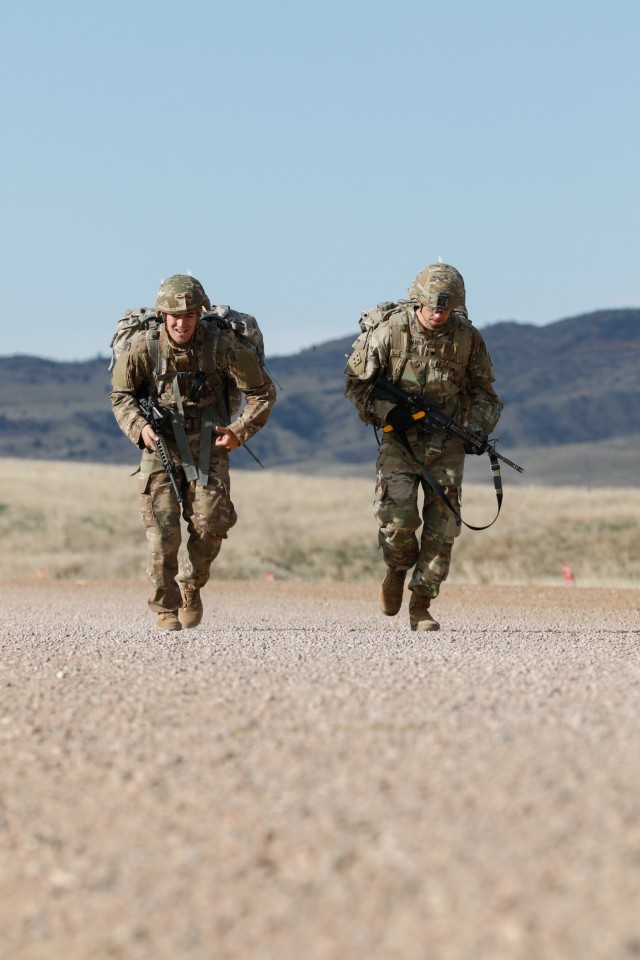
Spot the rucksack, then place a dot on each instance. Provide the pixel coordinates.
(383, 313)
(370, 319)
(131, 323)
(244, 325)
(246, 329)
(145, 319)
(357, 361)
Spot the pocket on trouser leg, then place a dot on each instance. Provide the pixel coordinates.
(452, 529)
(396, 511)
(431, 571)
(213, 510)
(158, 504)
(439, 522)
(146, 506)
(434, 559)
(146, 511)
(395, 505)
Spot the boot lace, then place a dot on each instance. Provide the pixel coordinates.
(190, 596)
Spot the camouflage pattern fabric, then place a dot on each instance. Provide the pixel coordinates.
(209, 513)
(398, 481)
(180, 294)
(208, 510)
(451, 368)
(439, 283)
(234, 361)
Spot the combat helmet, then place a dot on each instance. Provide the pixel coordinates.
(439, 287)
(180, 294)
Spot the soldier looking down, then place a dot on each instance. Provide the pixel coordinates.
(427, 346)
(194, 366)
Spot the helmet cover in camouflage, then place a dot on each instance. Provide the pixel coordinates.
(181, 294)
(439, 287)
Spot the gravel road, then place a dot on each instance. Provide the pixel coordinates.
(302, 778)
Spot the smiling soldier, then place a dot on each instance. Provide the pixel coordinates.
(193, 364)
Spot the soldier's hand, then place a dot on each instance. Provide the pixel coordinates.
(227, 439)
(149, 437)
(400, 419)
(470, 448)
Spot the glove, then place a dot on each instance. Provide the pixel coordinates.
(400, 419)
(469, 448)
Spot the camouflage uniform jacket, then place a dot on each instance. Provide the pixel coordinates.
(134, 374)
(449, 367)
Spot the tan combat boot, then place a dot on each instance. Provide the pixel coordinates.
(168, 621)
(391, 591)
(419, 616)
(190, 612)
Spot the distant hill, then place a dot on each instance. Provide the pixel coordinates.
(571, 391)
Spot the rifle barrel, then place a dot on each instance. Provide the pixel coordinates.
(509, 463)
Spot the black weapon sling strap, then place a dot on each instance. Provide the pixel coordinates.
(439, 489)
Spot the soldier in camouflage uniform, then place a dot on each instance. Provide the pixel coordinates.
(197, 373)
(426, 346)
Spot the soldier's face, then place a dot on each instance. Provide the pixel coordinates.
(433, 319)
(181, 326)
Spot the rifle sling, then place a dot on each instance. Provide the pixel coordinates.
(438, 488)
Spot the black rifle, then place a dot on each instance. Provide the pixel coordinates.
(430, 420)
(156, 417)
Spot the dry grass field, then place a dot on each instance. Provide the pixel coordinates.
(60, 521)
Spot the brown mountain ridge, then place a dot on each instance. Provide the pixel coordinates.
(571, 391)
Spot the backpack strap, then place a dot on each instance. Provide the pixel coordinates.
(463, 355)
(464, 341)
(208, 364)
(211, 337)
(158, 362)
(400, 346)
(218, 410)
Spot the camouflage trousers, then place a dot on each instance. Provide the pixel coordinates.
(398, 483)
(209, 514)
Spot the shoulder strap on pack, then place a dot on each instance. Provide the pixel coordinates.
(158, 362)
(400, 345)
(465, 327)
(210, 345)
(370, 319)
(132, 322)
(213, 322)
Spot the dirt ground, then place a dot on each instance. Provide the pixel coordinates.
(301, 777)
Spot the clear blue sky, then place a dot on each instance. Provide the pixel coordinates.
(305, 160)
